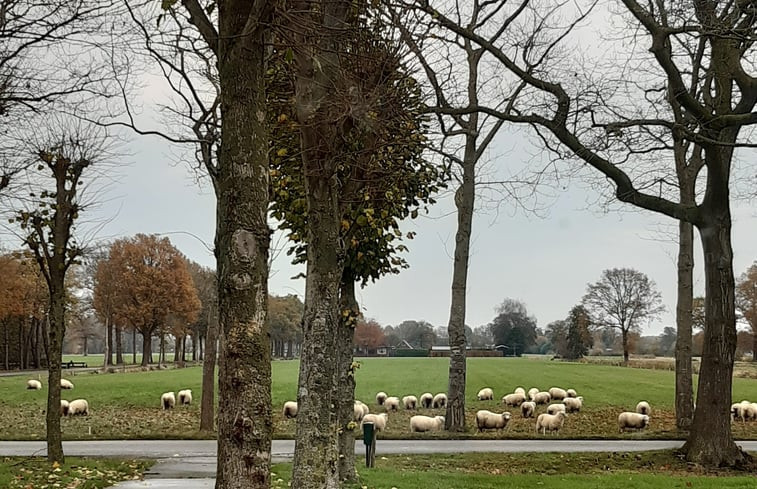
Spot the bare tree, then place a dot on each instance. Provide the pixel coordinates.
(578, 121)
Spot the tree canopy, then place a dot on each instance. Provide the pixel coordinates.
(513, 328)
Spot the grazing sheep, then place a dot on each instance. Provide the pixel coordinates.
(422, 424)
(33, 385)
(485, 394)
(66, 384)
(643, 408)
(440, 400)
(378, 420)
(185, 397)
(632, 421)
(392, 404)
(556, 408)
(380, 398)
(410, 402)
(426, 400)
(487, 420)
(527, 409)
(749, 412)
(79, 407)
(515, 399)
(542, 398)
(64, 406)
(168, 400)
(363, 406)
(571, 393)
(290, 409)
(573, 404)
(551, 422)
(532, 392)
(359, 411)
(557, 394)
(743, 411)
(520, 390)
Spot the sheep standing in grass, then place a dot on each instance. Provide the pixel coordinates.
(749, 411)
(557, 394)
(421, 424)
(632, 421)
(378, 420)
(542, 398)
(410, 403)
(573, 404)
(643, 408)
(64, 406)
(79, 407)
(515, 399)
(66, 384)
(551, 422)
(571, 393)
(359, 411)
(527, 409)
(392, 404)
(363, 406)
(737, 412)
(532, 392)
(556, 408)
(34, 385)
(168, 400)
(440, 401)
(380, 398)
(427, 400)
(185, 397)
(520, 390)
(487, 420)
(485, 394)
(290, 409)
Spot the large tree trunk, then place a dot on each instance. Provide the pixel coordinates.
(108, 344)
(245, 425)
(56, 332)
(684, 387)
(624, 338)
(207, 406)
(346, 379)
(710, 441)
(754, 346)
(119, 346)
(146, 349)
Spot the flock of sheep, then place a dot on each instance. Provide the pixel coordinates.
(565, 402)
(80, 407)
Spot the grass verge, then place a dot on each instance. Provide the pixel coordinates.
(76, 473)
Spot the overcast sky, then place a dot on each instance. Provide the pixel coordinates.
(546, 262)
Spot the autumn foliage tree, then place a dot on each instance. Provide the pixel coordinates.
(151, 286)
(285, 320)
(369, 335)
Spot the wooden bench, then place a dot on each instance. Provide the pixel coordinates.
(73, 365)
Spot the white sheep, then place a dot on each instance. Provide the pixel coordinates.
(750, 411)
(573, 404)
(440, 400)
(422, 424)
(426, 400)
(33, 385)
(79, 407)
(515, 399)
(363, 406)
(168, 400)
(485, 394)
(571, 393)
(743, 411)
(64, 407)
(487, 420)
(378, 420)
(643, 408)
(380, 398)
(392, 404)
(551, 422)
(737, 412)
(66, 384)
(520, 390)
(290, 409)
(527, 409)
(635, 421)
(557, 394)
(542, 398)
(532, 392)
(358, 411)
(410, 402)
(556, 408)
(185, 397)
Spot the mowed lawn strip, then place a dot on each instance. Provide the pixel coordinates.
(81, 473)
(127, 405)
(660, 469)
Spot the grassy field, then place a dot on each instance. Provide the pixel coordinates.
(649, 470)
(79, 473)
(97, 360)
(127, 405)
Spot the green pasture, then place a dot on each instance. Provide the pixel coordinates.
(96, 360)
(80, 473)
(127, 405)
(648, 470)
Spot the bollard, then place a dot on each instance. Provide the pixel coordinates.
(369, 438)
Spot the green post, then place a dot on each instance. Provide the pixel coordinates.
(369, 438)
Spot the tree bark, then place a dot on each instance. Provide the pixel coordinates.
(119, 345)
(56, 332)
(207, 406)
(242, 241)
(345, 386)
(624, 337)
(754, 346)
(684, 386)
(146, 350)
(108, 344)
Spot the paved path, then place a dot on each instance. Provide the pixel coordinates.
(191, 464)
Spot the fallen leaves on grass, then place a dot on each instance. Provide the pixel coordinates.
(37, 473)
